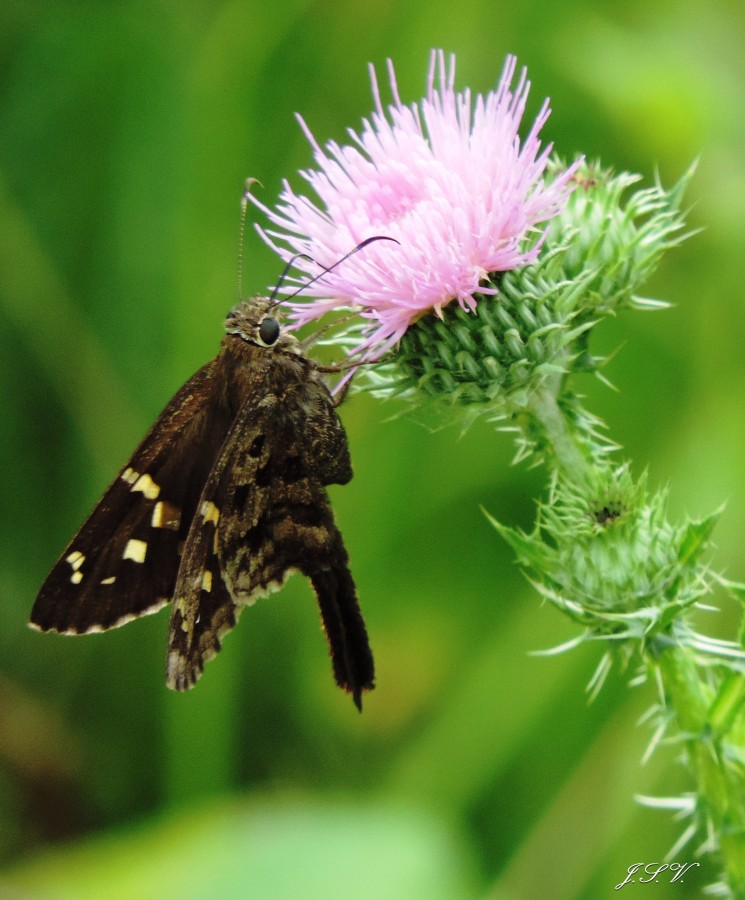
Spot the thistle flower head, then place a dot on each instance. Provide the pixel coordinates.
(448, 178)
(535, 328)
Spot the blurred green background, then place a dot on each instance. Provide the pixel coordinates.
(476, 770)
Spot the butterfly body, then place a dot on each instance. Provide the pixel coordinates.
(222, 500)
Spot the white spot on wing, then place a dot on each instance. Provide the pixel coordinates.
(130, 476)
(76, 577)
(147, 486)
(184, 624)
(76, 559)
(207, 581)
(109, 580)
(166, 515)
(210, 513)
(135, 550)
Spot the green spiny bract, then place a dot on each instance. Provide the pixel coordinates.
(607, 555)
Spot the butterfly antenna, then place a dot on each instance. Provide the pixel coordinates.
(273, 301)
(291, 263)
(250, 182)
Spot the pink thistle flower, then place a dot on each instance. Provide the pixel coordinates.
(448, 178)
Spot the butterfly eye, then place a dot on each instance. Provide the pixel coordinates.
(268, 331)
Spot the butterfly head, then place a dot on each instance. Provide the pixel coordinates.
(255, 321)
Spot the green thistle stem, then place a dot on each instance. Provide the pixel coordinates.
(570, 461)
(728, 705)
(715, 758)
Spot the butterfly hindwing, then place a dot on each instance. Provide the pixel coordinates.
(264, 514)
(303, 526)
(204, 606)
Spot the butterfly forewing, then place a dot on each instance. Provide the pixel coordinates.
(124, 560)
(222, 500)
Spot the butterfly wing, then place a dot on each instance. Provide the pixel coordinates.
(205, 607)
(263, 514)
(124, 560)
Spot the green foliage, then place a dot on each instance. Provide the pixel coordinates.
(270, 850)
